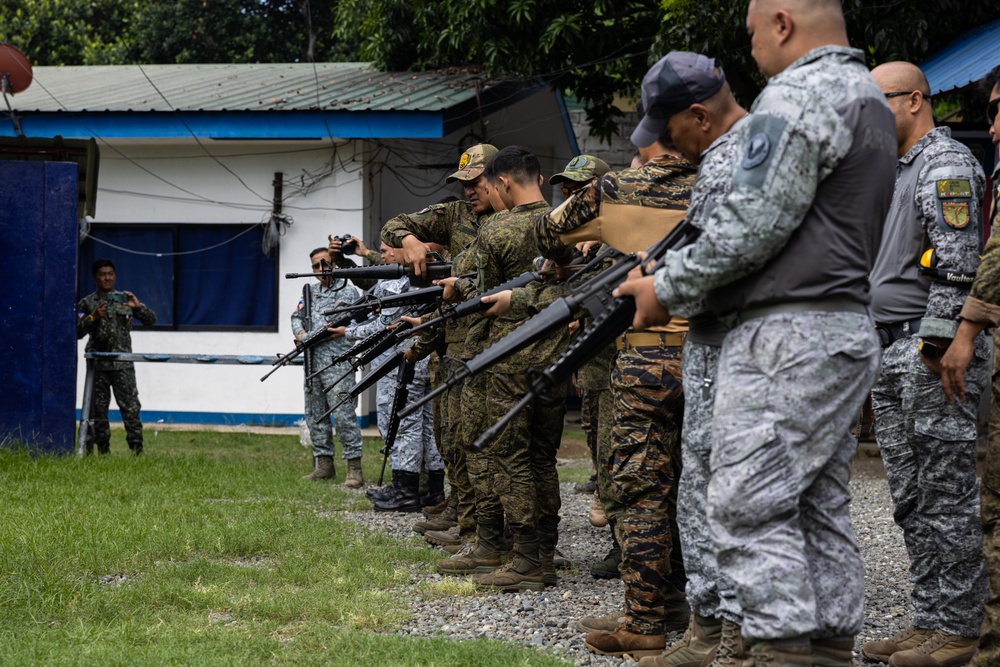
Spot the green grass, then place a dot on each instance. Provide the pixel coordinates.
(207, 550)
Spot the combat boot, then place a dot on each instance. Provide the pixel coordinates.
(464, 538)
(435, 489)
(768, 655)
(547, 551)
(480, 556)
(699, 643)
(324, 469)
(833, 652)
(406, 497)
(622, 641)
(732, 650)
(433, 511)
(942, 649)
(607, 623)
(443, 538)
(354, 480)
(907, 638)
(608, 567)
(596, 515)
(523, 573)
(447, 519)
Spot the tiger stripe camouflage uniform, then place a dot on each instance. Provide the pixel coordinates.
(112, 333)
(709, 594)
(519, 465)
(788, 251)
(928, 444)
(323, 390)
(453, 225)
(983, 306)
(647, 398)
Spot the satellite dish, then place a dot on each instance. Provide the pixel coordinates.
(15, 70)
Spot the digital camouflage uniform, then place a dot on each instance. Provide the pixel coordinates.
(788, 252)
(983, 306)
(709, 594)
(321, 392)
(519, 465)
(112, 333)
(647, 398)
(928, 444)
(414, 446)
(453, 225)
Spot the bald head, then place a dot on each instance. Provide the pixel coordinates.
(901, 76)
(782, 31)
(908, 95)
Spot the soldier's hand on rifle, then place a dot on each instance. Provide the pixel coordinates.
(412, 321)
(299, 336)
(336, 332)
(408, 356)
(500, 303)
(449, 294)
(101, 311)
(648, 311)
(586, 246)
(415, 254)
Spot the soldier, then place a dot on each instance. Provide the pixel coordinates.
(327, 294)
(106, 316)
(453, 225)
(414, 446)
(702, 121)
(518, 467)
(785, 256)
(981, 310)
(631, 210)
(928, 444)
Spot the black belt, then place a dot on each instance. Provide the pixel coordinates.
(889, 333)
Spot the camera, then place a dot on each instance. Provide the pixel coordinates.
(117, 297)
(347, 246)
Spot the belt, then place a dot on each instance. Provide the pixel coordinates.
(629, 340)
(832, 305)
(890, 333)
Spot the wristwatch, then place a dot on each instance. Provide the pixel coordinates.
(932, 350)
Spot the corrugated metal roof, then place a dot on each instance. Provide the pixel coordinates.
(243, 87)
(966, 60)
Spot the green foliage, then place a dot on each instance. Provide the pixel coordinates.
(207, 550)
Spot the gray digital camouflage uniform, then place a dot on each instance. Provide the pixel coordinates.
(112, 333)
(415, 446)
(928, 444)
(321, 392)
(786, 255)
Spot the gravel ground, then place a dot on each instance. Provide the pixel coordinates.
(546, 620)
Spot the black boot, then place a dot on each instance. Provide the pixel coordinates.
(608, 567)
(435, 488)
(377, 493)
(405, 496)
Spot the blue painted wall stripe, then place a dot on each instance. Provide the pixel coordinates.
(150, 417)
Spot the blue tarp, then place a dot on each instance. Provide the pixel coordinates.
(966, 60)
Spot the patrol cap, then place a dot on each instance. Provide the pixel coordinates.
(472, 162)
(677, 80)
(580, 169)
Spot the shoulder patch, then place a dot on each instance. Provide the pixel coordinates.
(954, 189)
(757, 150)
(955, 213)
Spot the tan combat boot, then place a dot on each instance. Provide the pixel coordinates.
(942, 649)
(523, 573)
(732, 650)
(833, 652)
(622, 641)
(768, 655)
(596, 515)
(907, 638)
(481, 556)
(354, 479)
(324, 469)
(447, 519)
(700, 640)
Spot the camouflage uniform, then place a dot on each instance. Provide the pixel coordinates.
(414, 447)
(112, 333)
(453, 225)
(788, 252)
(709, 594)
(928, 444)
(594, 378)
(647, 400)
(983, 306)
(321, 391)
(519, 465)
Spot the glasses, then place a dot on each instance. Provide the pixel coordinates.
(991, 110)
(908, 92)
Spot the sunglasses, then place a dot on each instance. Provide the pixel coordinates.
(991, 110)
(908, 92)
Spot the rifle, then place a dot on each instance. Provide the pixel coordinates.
(403, 380)
(307, 323)
(373, 376)
(436, 270)
(594, 296)
(402, 300)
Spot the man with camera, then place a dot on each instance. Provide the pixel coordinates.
(106, 316)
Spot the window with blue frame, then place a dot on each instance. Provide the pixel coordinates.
(195, 276)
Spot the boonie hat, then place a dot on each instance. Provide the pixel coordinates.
(678, 80)
(582, 168)
(472, 162)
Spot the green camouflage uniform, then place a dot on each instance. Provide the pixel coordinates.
(112, 333)
(983, 306)
(594, 380)
(519, 465)
(647, 405)
(454, 225)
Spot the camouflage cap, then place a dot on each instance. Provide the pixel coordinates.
(581, 169)
(472, 162)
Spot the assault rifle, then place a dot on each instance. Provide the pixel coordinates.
(403, 380)
(307, 356)
(593, 296)
(437, 269)
(373, 376)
